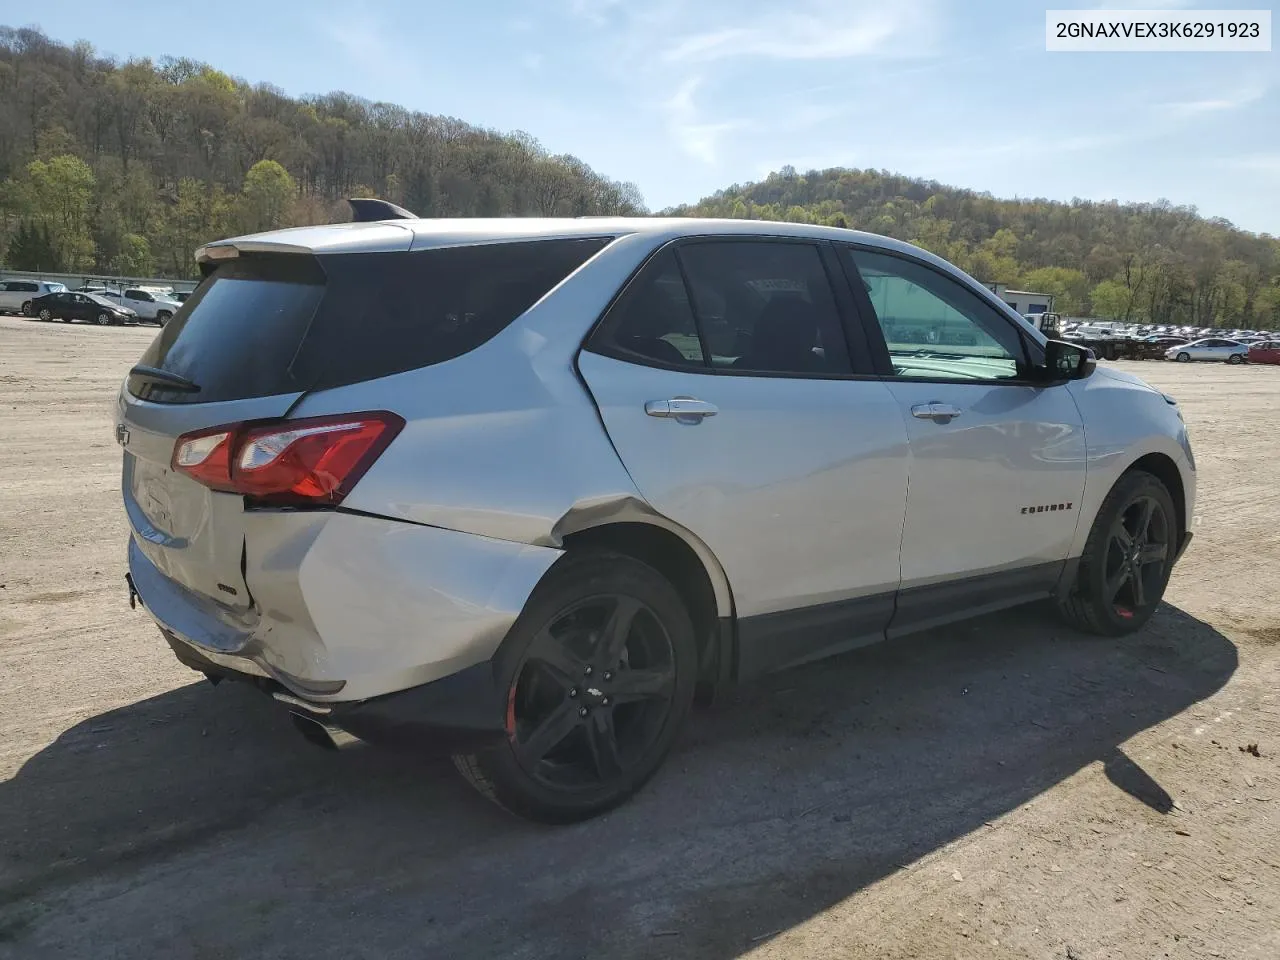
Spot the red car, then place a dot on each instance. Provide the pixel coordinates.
(1266, 352)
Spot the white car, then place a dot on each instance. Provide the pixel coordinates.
(148, 306)
(1210, 348)
(16, 295)
(556, 475)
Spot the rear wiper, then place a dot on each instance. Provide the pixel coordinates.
(171, 380)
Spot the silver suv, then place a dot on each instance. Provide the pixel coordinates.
(519, 490)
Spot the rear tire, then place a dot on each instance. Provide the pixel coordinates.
(163, 317)
(1127, 559)
(1184, 358)
(46, 314)
(26, 309)
(599, 673)
(1235, 358)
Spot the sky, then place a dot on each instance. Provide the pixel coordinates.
(685, 97)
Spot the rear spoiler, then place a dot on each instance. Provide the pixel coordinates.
(363, 210)
(370, 209)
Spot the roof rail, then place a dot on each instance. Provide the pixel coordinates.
(370, 209)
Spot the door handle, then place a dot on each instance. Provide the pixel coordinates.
(936, 411)
(681, 409)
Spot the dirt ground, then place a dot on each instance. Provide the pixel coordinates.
(1002, 789)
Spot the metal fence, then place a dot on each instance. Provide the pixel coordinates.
(74, 280)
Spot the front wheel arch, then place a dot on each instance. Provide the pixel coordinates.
(1164, 469)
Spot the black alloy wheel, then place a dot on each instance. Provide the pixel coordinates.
(1138, 546)
(593, 694)
(599, 673)
(1127, 560)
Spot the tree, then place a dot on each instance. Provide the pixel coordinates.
(1112, 299)
(32, 248)
(135, 257)
(1070, 289)
(267, 195)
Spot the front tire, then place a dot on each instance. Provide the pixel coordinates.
(163, 317)
(599, 671)
(104, 319)
(1184, 357)
(1127, 559)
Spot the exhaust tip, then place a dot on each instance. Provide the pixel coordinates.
(323, 735)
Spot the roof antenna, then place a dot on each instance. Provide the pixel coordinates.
(371, 209)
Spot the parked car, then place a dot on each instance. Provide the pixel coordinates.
(554, 476)
(70, 306)
(16, 295)
(1267, 351)
(147, 305)
(1210, 348)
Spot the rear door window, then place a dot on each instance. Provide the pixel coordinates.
(731, 307)
(264, 325)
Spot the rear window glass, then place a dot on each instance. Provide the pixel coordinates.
(259, 326)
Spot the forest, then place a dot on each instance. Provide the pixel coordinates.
(124, 168)
(1137, 262)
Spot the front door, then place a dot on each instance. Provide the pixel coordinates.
(997, 462)
(723, 378)
(81, 307)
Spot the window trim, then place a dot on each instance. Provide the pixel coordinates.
(874, 333)
(862, 366)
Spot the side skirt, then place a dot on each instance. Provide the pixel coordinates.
(775, 641)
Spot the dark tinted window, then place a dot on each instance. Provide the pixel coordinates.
(653, 320)
(386, 314)
(731, 306)
(765, 307)
(264, 325)
(239, 333)
(26, 287)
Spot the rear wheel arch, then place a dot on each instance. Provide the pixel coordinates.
(692, 571)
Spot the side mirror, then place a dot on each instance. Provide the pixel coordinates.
(1067, 361)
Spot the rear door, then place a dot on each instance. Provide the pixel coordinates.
(724, 380)
(236, 342)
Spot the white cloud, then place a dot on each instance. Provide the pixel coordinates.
(696, 137)
(816, 30)
(596, 12)
(1187, 109)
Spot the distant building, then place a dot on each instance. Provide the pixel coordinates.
(1024, 301)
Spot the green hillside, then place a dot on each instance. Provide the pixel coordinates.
(1138, 262)
(128, 167)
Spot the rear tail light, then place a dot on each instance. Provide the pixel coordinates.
(310, 462)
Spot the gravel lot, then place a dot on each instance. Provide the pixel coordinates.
(1000, 789)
